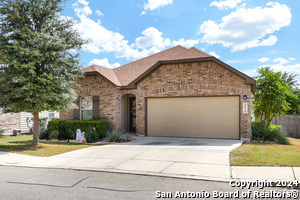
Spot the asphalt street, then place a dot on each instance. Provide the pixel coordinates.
(35, 183)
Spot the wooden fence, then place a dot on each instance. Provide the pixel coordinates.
(290, 125)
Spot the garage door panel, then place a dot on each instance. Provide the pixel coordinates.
(206, 117)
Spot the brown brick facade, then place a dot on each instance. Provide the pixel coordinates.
(109, 98)
(188, 79)
(193, 79)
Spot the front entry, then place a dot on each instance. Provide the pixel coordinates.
(132, 117)
(128, 113)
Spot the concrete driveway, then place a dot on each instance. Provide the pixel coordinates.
(148, 155)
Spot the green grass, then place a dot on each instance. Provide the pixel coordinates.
(267, 155)
(23, 145)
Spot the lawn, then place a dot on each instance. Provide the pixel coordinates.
(23, 145)
(267, 155)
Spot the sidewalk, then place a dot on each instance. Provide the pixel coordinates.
(236, 172)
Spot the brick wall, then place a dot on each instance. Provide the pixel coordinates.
(189, 79)
(108, 96)
(193, 79)
(9, 122)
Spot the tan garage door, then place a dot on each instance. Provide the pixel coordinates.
(204, 117)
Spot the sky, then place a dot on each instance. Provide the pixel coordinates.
(246, 34)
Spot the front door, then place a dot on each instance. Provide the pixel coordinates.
(132, 117)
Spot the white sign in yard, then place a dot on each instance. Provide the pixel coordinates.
(245, 108)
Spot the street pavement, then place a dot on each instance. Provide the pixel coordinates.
(38, 183)
(205, 159)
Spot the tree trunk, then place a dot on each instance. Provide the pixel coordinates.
(36, 127)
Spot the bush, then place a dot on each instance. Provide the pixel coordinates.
(1, 131)
(91, 135)
(44, 134)
(114, 136)
(67, 129)
(55, 118)
(53, 135)
(262, 132)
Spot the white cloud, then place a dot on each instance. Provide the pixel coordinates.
(82, 9)
(214, 54)
(98, 12)
(152, 38)
(224, 5)
(186, 43)
(151, 41)
(154, 4)
(263, 59)
(101, 39)
(295, 69)
(247, 27)
(250, 72)
(143, 13)
(288, 68)
(83, 2)
(133, 54)
(104, 63)
(292, 59)
(281, 61)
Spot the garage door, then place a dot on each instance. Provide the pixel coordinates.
(203, 117)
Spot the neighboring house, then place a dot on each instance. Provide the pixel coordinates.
(11, 121)
(178, 92)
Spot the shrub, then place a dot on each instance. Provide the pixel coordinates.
(44, 134)
(91, 135)
(1, 131)
(55, 118)
(67, 129)
(262, 132)
(114, 136)
(53, 135)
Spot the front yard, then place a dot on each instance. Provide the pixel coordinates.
(23, 145)
(267, 155)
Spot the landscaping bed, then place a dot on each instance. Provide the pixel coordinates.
(267, 154)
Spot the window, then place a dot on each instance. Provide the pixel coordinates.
(86, 108)
(50, 114)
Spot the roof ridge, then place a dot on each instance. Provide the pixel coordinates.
(177, 54)
(147, 57)
(108, 69)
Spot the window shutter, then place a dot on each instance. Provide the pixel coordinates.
(96, 115)
(76, 112)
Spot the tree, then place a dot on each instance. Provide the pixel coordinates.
(37, 67)
(276, 94)
(293, 102)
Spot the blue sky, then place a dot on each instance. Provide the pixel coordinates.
(245, 34)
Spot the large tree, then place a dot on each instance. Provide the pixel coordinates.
(276, 94)
(37, 66)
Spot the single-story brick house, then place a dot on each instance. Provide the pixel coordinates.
(178, 92)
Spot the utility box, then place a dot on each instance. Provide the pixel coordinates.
(17, 132)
